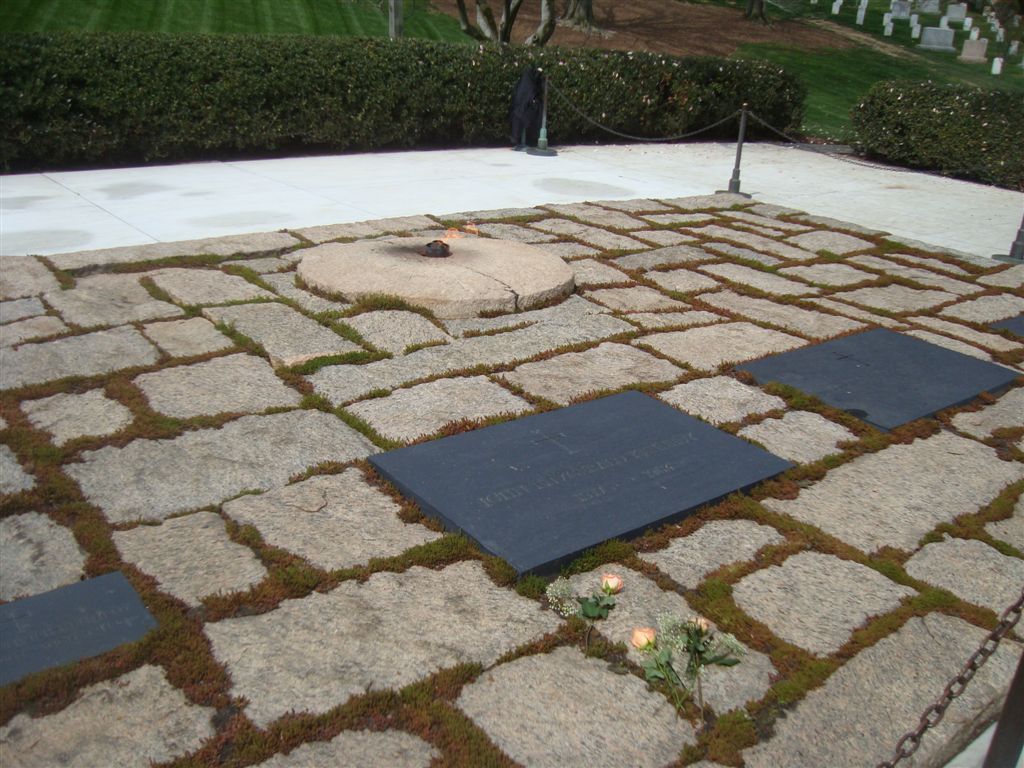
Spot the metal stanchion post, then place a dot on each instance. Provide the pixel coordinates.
(542, 140)
(1016, 255)
(734, 182)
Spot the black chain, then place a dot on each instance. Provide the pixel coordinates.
(612, 131)
(932, 716)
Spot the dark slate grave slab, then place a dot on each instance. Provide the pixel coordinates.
(1014, 325)
(885, 378)
(69, 624)
(539, 491)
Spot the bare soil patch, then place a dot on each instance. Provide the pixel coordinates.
(668, 26)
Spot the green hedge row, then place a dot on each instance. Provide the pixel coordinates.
(73, 99)
(957, 130)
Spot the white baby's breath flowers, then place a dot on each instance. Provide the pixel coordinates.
(561, 598)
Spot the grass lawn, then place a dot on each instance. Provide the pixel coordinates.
(363, 18)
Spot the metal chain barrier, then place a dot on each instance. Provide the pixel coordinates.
(932, 716)
(612, 131)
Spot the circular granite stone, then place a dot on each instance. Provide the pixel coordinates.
(480, 275)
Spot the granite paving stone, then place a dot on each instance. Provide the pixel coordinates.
(407, 414)
(769, 209)
(902, 492)
(709, 347)
(971, 570)
(333, 521)
(952, 344)
(205, 286)
(990, 340)
(361, 229)
(1007, 278)
(287, 336)
(683, 280)
(497, 213)
(515, 232)
(111, 723)
(19, 309)
(758, 243)
(752, 217)
(721, 399)
(152, 479)
(67, 416)
(284, 285)
(568, 250)
(961, 256)
(735, 252)
(641, 205)
(238, 383)
(832, 242)
(36, 555)
(808, 322)
(395, 330)
(678, 219)
(707, 202)
(101, 300)
(398, 628)
(815, 601)
(931, 263)
(191, 557)
(830, 274)
(921, 276)
(25, 276)
(261, 266)
(762, 281)
(668, 256)
(799, 436)
(599, 238)
(358, 749)
(858, 314)
(562, 709)
(13, 478)
(1010, 530)
(598, 216)
(663, 236)
(608, 366)
(591, 272)
(185, 338)
(986, 309)
(758, 229)
(255, 244)
(688, 559)
(30, 329)
(573, 307)
(876, 697)
(344, 383)
(830, 223)
(86, 355)
(639, 298)
(653, 320)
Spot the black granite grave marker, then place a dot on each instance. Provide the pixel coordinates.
(1014, 325)
(68, 624)
(885, 378)
(539, 491)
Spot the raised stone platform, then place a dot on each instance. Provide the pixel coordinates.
(479, 276)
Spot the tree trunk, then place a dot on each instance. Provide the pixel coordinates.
(546, 28)
(756, 7)
(579, 13)
(487, 28)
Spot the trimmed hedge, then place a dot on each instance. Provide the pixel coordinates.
(957, 130)
(73, 99)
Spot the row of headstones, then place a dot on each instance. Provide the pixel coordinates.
(940, 38)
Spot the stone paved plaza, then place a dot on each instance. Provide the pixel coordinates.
(198, 417)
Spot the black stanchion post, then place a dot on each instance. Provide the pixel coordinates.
(1008, 739)
(1016, 255)
(542, 140)
(734, 182)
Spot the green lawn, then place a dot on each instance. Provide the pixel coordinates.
(365, 18)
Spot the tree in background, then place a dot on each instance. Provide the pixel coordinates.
(579, 13)
(487, 28)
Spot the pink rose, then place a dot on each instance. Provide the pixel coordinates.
(611, 584)
(643, 638)
(702, 624)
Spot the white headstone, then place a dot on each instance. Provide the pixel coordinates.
(887, 30)
(956, 11)
(968, 22)
(944, 22)
(997, 66)
(1014, 47)
(887, 19)
(836, 6)
(1000, 35)
(901, 9)
(929, 6)
(914, 19)
(974, 51)
(975, 33)
(937, 39)
(915, 32)
(860, 16)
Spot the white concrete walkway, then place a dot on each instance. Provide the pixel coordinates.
(83, 210)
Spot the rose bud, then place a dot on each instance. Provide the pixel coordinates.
(643, 638)
(702, 624)
(611, 584)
